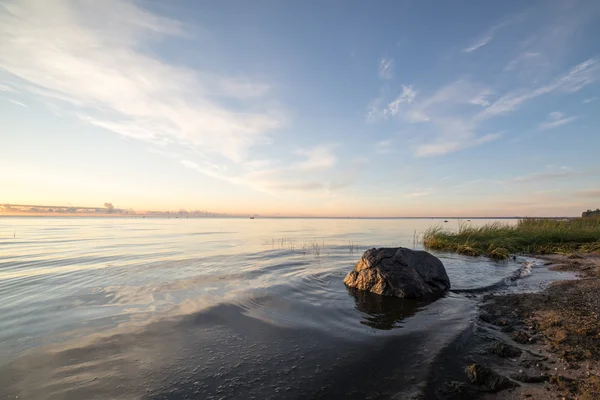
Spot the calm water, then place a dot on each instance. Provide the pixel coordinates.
(217, 308)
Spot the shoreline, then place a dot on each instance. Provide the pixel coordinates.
(543, 345)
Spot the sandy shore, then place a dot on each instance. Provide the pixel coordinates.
(534, 345)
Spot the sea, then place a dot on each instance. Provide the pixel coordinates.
(225, 308)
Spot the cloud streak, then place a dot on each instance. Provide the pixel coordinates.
(317, 158)
(307, 175)
(578, 77)
(420, 193)
(521, 59)
(449, 126)
(487, 37)
(14, 102)
(445, 145)
(555, 119)
(407, 96)
(482, 41)
(445, 128)
(562, 172)
(386, 68)
(96, 66)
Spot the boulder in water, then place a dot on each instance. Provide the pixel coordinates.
(399, 272)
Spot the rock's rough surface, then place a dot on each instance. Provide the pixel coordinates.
(399, 272)
(504, 350)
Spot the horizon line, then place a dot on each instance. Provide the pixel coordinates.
(254, 216)
(14, 210)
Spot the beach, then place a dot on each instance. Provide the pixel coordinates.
(560, 326)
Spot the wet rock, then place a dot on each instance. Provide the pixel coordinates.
(457, 391)
(533, 340)
(489, 379)
(520, 337)
(504, 350)
(399, 272)
(485, 317)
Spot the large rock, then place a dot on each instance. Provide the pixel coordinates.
(399, 272)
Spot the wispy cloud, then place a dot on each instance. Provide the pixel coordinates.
(6, 88)
(71, 62)
(447, 128)
(204, 121)
(14, 102)
(317, 158)
(556, 115)
(488, 35)
(305, 176)
(549, 44)
(577, 78)
(555, 119)
(590, 100)
(452, 143)
(278, 178)
(481, 99)
(407, 96)
(447, 99)
(551, 174)
(421, 193)
(386, 68)
(555, 124)
(384, 146)
(204, 168)
(480, 42)
(521, 59)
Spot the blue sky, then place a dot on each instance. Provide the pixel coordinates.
(388, 108)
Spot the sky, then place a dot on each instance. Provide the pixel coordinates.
(320, 108)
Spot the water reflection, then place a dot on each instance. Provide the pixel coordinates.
(384, 312)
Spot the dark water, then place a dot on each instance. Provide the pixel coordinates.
(220, 309)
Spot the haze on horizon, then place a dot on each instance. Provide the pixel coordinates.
(398, 108)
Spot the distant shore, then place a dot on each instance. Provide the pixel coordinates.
(166, 215)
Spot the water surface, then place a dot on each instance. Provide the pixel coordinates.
(218, 308)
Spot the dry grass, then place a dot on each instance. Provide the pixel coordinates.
(528, 236)
(310, 246)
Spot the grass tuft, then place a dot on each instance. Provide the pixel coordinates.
(528, 236)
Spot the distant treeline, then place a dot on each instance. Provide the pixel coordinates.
(7, 209)
(591, 213)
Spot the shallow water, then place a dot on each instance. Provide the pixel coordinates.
(220, 308)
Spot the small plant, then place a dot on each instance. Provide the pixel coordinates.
(499, 253)
(316, 248)
(467, 250)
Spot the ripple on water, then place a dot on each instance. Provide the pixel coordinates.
(168, 308)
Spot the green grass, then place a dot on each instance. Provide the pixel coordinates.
(528, 236)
